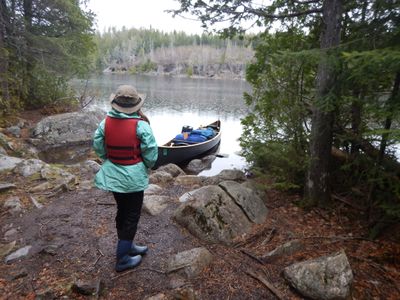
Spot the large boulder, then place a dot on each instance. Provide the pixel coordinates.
(234, 175)
(172, 169)
(328, 277)
(247, 199)
(66, 129)
(213, 216)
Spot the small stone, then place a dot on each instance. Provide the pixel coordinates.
(41, 187)
(50, 249)
(13, 204)
(14, 130)
(159, 296)
(18, 254)
(189, 263)
(88, 288)
(10, 233)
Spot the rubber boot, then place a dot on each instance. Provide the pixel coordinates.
(138, 250)
(127, 262)
(124, 260)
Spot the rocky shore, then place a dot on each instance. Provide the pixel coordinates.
(217, 237)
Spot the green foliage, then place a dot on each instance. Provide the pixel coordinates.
(189, 71)
(145, 67)
(48, 42)
(275, 133)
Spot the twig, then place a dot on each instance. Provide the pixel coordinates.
(379, 267)
(252, 256)
(269, 237)
(141, 269)
(97, 260)
(105, 203)
(264, 281)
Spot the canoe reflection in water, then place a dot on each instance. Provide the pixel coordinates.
(190, 144)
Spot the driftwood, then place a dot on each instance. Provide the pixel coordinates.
(264, 281)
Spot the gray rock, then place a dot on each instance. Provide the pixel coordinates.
(28, 167)
(329, 277)
(234, 175)
(286, 249)
(6, 186)
(187, 196)
(197, 165)
(155, 204)
(86, 185)
(189, 180)
(87, 288)
(13, 204)
(66, 129)
(249, 202)
(213, 216)
(10, 234)
(50, 249)
(41, 187)
(189, 263)
(160, 177)
(18, 254)
(153, 189)
(8, 162)
(14, 130)
(159, 296)
(3, 151)
(255, 187)
(172, 169)
(91, 166)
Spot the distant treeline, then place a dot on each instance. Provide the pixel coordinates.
(145, 49)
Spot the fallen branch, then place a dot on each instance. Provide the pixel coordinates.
(264, 281)
(251, 238)
(252, 256)
(345, 201)
(141, 269)
(269, 237)
(344, 238)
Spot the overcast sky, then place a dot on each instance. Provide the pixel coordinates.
(141, 14)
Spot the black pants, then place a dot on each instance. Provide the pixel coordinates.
(129, 206)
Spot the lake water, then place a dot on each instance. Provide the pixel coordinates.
(174, 102)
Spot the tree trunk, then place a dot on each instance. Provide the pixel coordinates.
(318, 188)
(4, 92)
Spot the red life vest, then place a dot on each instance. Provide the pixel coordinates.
(122, 144)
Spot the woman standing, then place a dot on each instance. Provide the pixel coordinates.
(125, 142)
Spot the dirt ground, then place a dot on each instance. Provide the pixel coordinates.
(73, 238)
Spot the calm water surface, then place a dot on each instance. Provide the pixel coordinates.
(174, 102)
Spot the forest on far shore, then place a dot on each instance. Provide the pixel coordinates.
(176, 53)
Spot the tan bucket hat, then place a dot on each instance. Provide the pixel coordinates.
(126, 99)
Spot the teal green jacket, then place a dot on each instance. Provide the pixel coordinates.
(121, 178)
